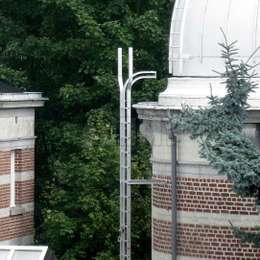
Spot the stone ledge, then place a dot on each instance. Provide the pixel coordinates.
(212, 219)
(17, 143)
(26, 240)
(153, 111)
(163, 256)
(17, 210)
(19, 177)
(22, 209)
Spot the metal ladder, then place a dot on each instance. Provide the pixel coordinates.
(125, 150)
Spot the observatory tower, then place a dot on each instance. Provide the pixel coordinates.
(206, 203)
(17, 140)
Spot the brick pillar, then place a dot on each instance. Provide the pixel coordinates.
(17, 141)
(205, 200)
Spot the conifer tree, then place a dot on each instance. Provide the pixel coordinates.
(219, 130)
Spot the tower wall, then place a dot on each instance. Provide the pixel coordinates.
(17, 142)
(205, 200)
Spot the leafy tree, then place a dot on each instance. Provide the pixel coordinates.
(83, 197)
(218, 129)
(67, 49)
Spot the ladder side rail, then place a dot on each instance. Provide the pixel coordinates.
(122, 174)
(128, 144)
(122, 152)
(126, 227)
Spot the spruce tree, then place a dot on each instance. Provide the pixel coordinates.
(219, 130)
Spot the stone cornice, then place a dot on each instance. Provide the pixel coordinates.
(17, 143)
(152, 111)
(22, 100)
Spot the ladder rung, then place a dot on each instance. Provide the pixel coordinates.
(143, 182)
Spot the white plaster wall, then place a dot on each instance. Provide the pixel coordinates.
(16, 123)
(157, 133)
(188, 150)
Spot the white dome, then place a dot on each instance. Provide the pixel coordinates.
(195, 34)
(194, 52)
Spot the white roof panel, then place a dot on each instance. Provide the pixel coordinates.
(4, 254)
(23, 252)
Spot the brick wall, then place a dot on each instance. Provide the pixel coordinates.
(24, 192)
(24, 160)
(202, 195)
(203, 241)
(16, 226)
(5, 157)
(4, 196)
(18, 223)
(206, 196)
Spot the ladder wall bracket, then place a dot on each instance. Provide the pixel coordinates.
(145, 182)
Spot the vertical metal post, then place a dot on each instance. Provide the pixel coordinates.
(129, 144)
(12, 180)
(174, 194)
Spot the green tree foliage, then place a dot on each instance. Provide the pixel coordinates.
(218, 129)
(67, 49)
(82, 210)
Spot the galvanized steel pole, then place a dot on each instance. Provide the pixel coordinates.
(174, 193)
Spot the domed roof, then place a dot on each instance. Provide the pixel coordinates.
(195, 34)
(194, 52)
